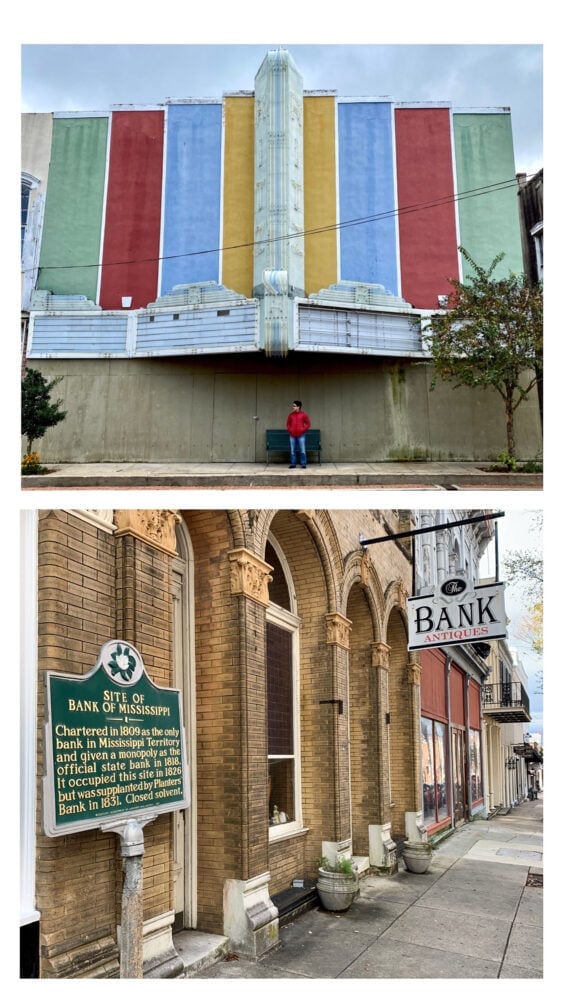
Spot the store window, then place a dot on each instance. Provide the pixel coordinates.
(434, 772)
(282, 660)
(475, 765)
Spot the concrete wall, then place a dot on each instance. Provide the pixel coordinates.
(203, 409)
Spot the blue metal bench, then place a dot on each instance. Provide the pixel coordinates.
(279, 441)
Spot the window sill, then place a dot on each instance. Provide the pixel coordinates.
(286, 831)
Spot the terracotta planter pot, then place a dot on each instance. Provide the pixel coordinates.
(336, 890)
(417, 856)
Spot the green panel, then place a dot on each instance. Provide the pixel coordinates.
(488, 222)
(113, 749)
(73, 208)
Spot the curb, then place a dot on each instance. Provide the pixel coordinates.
(453, 481)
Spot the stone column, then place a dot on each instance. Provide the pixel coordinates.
(382, 848)
(414, 825)
(336, 714)
(146, 545)
(156, 528)
(250, 917)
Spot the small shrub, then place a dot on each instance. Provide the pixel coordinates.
(533, 465)
(38, 412)
(31, 464)
(508, 461)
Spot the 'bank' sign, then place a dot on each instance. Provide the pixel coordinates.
(457, 612)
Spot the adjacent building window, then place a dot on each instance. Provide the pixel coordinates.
(537, 236)
(434, 772)
(26, 188)
(28, 183)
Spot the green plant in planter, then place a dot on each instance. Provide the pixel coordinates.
(342, 865)
(337, 883)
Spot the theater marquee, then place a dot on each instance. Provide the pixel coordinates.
(457, 612)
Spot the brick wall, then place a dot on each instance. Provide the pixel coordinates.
(364, 764)
(93, 587)
(218, 708)
(76, 615)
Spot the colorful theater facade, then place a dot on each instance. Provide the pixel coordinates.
(210, 257)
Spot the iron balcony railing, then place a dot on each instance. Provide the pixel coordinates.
(506, 701)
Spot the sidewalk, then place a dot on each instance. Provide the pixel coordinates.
(476, 914)
(240, 475)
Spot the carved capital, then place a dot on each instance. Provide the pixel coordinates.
(380, 655)
(305, 515)
(365, 568)
(413, 672)
(403, 594)
(338, 630)
(157, 527)
(250, 576)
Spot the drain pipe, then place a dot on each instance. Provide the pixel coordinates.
(449, 730)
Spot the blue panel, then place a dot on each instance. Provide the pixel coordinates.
(367, 191)
(192, 206)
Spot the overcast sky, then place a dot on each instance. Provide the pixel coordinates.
(78, 77)
(519, 531)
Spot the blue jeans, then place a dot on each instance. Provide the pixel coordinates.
(294, 444)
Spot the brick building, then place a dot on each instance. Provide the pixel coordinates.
(453, 730)
(288, 643)
(310, 728)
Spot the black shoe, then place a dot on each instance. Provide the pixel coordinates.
(292, 467)
(303, 466)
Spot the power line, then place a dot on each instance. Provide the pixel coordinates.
(390, 213)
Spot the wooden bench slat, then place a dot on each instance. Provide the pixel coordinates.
(278, 440)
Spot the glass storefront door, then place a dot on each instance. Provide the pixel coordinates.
(458, 776)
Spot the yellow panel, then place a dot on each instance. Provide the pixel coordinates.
(320, 192)
(238, 195)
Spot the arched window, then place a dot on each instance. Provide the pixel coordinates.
(282, 668)
(183, 658)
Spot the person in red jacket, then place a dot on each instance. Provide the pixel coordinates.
(298, 424)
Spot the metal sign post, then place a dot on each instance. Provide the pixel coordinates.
(132, 850)
(115, 755)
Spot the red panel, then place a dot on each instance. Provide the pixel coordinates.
(457, 700)
(132, 224)
(425, 190)
(433, 684)
(474, 705)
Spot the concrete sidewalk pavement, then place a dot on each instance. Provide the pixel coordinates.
(476, 914)
(257, 475)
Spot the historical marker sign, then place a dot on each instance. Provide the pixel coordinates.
(457, 612)
(115, 745)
